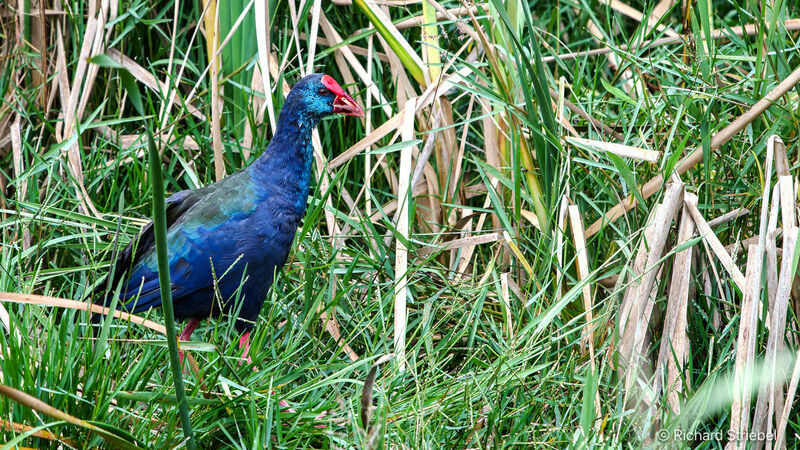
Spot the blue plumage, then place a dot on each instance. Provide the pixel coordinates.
(239, 230)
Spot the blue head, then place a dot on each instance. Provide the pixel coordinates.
(318, 95)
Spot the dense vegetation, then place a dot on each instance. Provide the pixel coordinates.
(472, 210)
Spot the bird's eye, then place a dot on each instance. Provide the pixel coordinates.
(322, 91)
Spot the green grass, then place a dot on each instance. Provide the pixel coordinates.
(471, 381)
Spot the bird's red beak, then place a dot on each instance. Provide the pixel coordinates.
(343, 104)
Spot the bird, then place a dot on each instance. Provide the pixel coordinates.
(226, 241)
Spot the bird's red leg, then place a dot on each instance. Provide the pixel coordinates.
(186, 334)
(244, 341)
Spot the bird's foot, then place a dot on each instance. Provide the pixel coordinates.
(286, 405)
(320, 417)
(186, 335)
(185, 369)
(289, 409)
(244, 342)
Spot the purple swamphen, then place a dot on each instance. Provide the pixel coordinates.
(233, 235)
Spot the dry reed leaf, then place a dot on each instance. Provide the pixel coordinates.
(764, 219)
(723, 136)
(470, 241)
(634, 276)
(586, 116)
(330, 32)
(786, 280)
(92, 69)
(5, 321)
(312, 42)
(19, 428)
(716, 246)
(43, 300)
(19, 169)
(126, 141)
(216, 101)
(37, 405)
(333, 328)
(636, 15)
(582, 268)
(401, 252)
(264, 63)
(448, 14)
(560, 231)
(274, 71)
(558, 105)
(530, 217)
(61, 80)
(466, 255)
(745, 353)
(506, 300)
(396, 120)
(295, 20)
(659, 11)
(618, 149)
(518, 253)
(749, 29)
(459, 156)
(360, 51)
(390, 125)
(368, 130)
(615, 62)
(456, 258)
(72, 116)
(427, 148)
(143, 76)
(462, 27)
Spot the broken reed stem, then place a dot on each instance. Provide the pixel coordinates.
(714, 243)
(745, 352)
(723, 136)
(781, 431)
(674, 340)
(641, 305)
